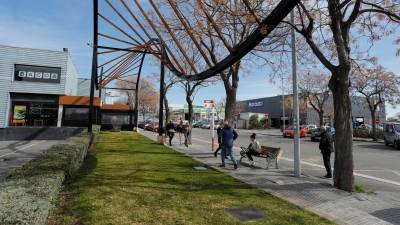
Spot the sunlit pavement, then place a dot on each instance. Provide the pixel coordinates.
(309, 191)
(14, 154)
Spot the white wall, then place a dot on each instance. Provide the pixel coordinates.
(9, 56)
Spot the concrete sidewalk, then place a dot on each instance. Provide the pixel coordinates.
(314, 194)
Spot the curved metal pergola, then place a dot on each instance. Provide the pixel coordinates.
(131, 28)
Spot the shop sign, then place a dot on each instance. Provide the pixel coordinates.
(209, 104)
(255, 104)
(37, 73)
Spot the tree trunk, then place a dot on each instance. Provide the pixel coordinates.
(166, 106)
(230, 105)
(190, 108)
(321, 118)
(343, 173)
(231, 90)
(373, 117)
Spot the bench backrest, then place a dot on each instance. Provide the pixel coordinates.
(270, 150)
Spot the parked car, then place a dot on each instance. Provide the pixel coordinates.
(206, 126)
(151, 127)
(311, 128)
(316, 134)
(289, 132)
(198, 124)
(391, 134)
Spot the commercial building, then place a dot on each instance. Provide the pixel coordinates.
(272, 108)
(40, 88)
(31, 82)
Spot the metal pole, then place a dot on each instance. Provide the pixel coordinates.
(283, 107)
(100, 88)
(212, 127)
(297, 166)
(94, 64)
(137, 94)
(161, 110)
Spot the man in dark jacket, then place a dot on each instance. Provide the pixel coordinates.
(170, 128)
(219, 134)
(228, 135)
(326, 147)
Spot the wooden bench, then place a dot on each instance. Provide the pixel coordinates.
(269, 153)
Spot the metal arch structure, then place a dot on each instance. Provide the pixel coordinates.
(138, 31)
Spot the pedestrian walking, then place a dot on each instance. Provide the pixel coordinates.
(326, 147)
(170, 128)
(185, 129)
(179, 129)
(219, 136)
(228, 135)
(253, 149)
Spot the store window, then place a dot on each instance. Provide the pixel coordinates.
(75, 116)
(34, 110)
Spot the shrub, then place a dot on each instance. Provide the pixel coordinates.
(28, 193)
(254, 122)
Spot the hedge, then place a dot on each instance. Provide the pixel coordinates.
(29, 193)
(365, 133)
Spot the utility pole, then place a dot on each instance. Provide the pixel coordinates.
(296, 122)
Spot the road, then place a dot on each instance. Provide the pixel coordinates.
(14, 154)
(377, 167)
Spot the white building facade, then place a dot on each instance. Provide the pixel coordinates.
(31, 81)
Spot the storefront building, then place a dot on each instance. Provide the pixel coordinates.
(272, 108)
(31, 82)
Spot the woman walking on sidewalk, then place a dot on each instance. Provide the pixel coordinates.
(229, 135)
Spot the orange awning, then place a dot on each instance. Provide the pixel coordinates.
(78, 100)
(119, 107)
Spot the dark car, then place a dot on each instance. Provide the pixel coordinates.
(316, 134)
(198, 124)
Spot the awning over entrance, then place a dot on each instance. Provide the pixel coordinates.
(117, 107)
(78, 100)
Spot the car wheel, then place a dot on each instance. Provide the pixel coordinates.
(386, 143)
(397, 144)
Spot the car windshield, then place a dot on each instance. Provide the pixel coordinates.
(396, 127)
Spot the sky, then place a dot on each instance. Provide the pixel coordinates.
(58, 24)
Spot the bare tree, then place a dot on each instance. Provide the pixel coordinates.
(331, 30)
(148, 94)
(378, 86)
(220, 106)
(314, 87)
(169, 82)
(191, 88)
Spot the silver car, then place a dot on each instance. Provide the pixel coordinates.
(391, 134)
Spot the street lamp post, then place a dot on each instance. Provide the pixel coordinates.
(296, 122)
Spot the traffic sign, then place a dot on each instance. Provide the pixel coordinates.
(208, 103)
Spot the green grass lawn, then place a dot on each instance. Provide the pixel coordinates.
(128, 179)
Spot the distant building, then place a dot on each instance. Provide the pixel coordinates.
(272, 108)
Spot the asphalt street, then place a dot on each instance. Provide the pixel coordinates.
(377, 167)
(14, 154)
